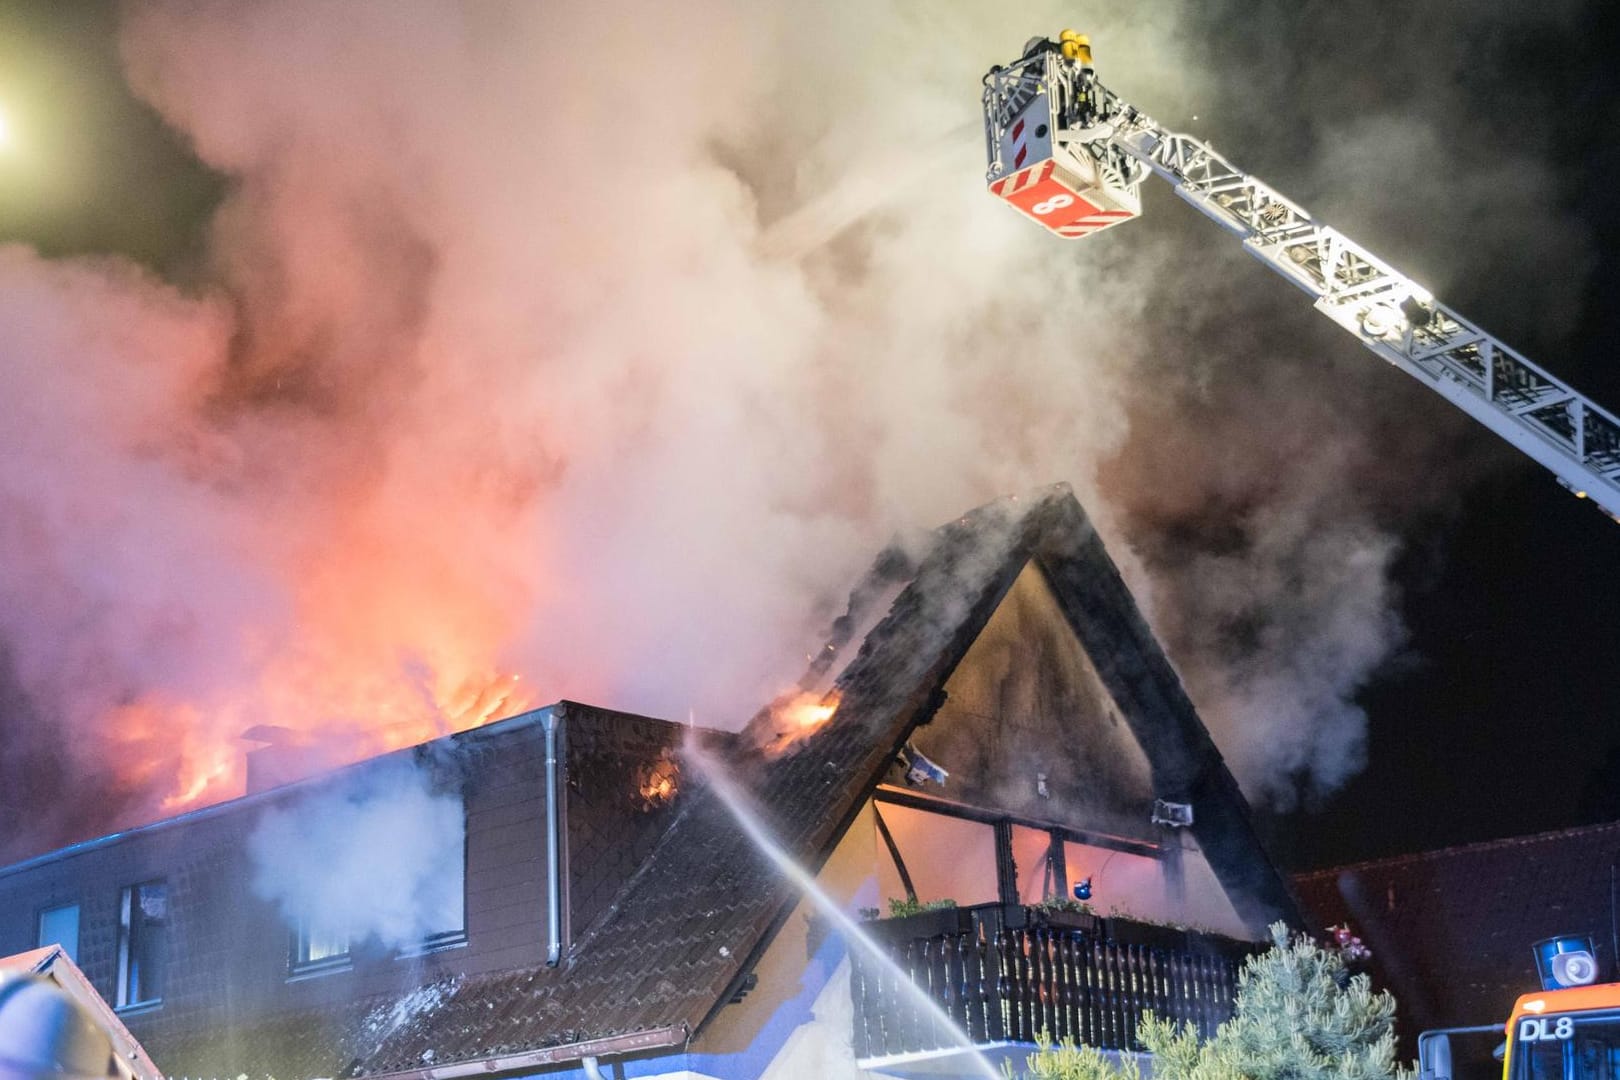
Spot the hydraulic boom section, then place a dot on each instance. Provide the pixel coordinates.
(1067, 152)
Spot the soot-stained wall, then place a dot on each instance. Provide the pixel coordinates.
(623, 783)
(1026, 701)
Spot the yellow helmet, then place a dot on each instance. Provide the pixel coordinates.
(1075, 46)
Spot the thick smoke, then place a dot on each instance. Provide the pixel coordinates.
(602, 349)
(335, 859)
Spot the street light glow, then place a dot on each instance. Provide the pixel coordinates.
(5, 131)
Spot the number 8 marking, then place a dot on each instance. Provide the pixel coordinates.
(1564, 1028)
(1056, 202)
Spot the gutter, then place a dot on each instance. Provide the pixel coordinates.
(550, 721)
(651, 1039)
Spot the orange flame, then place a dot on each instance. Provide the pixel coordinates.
(659, 782)
(796, 716)
(189, 757)
(392, 644)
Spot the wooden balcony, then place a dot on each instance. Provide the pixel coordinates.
(1005, 973)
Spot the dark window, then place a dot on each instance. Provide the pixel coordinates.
(60, 926)
(143, 943)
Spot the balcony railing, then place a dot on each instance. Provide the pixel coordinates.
(1005, 974)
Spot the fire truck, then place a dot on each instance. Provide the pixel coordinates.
(1569, 1030)
(1069, 154)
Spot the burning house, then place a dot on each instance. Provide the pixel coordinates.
(991, 751)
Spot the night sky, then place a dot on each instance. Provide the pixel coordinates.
(1497, 717)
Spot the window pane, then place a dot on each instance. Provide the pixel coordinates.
(443, 895)
(60, 926)
(948, 858)
(1032, 855)
(142, 943)
(445, 903)
(321, 944)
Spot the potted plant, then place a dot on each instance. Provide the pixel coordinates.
(911, 918)
(1125, 930)
(1062, 913)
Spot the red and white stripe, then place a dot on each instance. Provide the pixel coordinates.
(1020, 150)
(1092, 223)
(1009, 186)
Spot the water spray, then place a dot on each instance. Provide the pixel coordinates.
(740, 806)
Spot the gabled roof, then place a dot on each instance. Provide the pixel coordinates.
(54, 964)
(680, 936)
(1451, 930)
(700, 911)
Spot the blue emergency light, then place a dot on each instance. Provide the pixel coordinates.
(1567, 961)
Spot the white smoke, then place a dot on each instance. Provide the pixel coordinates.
(604, 347)
(379, 856)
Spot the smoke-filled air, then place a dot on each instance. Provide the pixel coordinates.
(590, 351)
(339, 850)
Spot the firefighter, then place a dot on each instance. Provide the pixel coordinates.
(46, 1035)
(1081, 108)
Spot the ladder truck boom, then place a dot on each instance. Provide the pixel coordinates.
(1070, 154)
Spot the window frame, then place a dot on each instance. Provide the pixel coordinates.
(455, 938)
(298, 963)
(1003, 822)
(299, 966)
(78, 928)
(130, 941)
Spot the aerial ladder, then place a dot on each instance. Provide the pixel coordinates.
(1072, 155)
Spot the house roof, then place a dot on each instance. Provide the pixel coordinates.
(676, 942)
(54, 964)
(1451, 930)
(684, 931)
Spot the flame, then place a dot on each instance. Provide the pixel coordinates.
(659, 782)
(807, 711)
(190, 757)
(391, 642)
(797, 715)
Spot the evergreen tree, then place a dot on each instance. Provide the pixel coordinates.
(1299, 1015)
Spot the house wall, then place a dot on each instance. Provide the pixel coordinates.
(796, 1021)
(1026, 702)
(1027, 727)
(622, 781)
(1205, 904)
(228, 948)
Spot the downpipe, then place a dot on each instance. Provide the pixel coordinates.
(550, 724)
